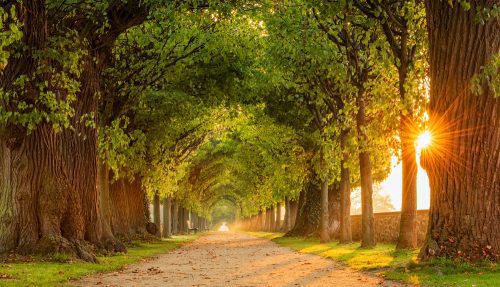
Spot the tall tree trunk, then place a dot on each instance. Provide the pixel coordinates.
(308, 212)
(156, 213)
(272, 214)
(365, 166)
(334, 211)
(103, 185)
(129, 213)
(408, 225)
(39, 209)
(167, 217)
(323, 226)
(262, 221)
(182, 221)
(267, 219)
(185, 218)
(294, 210)
(345, 235)
(288, 216)
(463, 161)
(278, 217)
(175, 217)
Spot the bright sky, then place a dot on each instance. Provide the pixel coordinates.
(393, 184)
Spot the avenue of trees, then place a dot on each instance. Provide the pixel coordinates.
(210, 108)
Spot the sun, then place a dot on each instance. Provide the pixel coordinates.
(424, 140)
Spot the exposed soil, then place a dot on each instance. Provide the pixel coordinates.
(232, 259)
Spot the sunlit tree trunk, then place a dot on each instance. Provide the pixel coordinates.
(408, 225)
(463, 161)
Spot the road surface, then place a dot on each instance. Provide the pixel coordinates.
(233, 259)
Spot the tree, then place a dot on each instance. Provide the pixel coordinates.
(402, 25)
(462, 161)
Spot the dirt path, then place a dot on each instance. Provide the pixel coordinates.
(231, 259)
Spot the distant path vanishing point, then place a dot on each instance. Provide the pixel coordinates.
(233, 259)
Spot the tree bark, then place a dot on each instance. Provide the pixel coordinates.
(308, 212)
(185, 218)
(175, 217)
(288, 216)
(334, 211)
(40, 212)
(272, 214)
(463, 161)
(365, 166)
(323, 227)
(278, 217)
(181, 220)
(267, 224)
(294, 209)
(345, 235)
(408, 226)
(129, 214)
(167, 217)
(262, 221)
(156, 213)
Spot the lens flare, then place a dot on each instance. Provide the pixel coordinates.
(424, 140)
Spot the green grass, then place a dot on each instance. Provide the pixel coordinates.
(395, 265)
(55, 273)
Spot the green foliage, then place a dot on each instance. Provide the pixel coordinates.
(488, 77)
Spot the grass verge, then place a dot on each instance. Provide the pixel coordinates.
(395, 265)
(52, 273)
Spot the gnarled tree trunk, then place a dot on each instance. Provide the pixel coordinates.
(40, 210)
(463, 160)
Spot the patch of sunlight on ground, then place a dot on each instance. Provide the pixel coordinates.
(268, 235)
(316, 249)
(398, 265)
